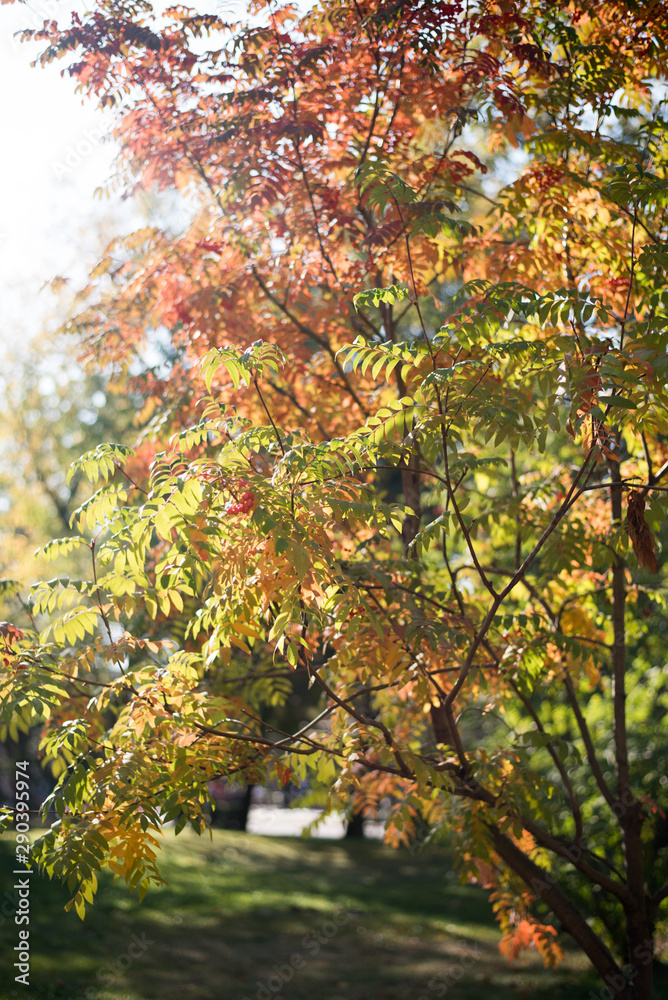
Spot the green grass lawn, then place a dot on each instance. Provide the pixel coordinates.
(340, 921)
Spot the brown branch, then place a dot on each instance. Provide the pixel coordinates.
(316, 221)
(567, 503)
(269, 417)
(558, 763)
(308, 332)
(592, 759)
(543, 885)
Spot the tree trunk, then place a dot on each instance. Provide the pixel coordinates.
(244, 808)
(620, 984)
(629, 809)
(355, 827)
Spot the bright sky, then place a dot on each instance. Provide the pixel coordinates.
(54, 159)
(51, 223)
(52, 162)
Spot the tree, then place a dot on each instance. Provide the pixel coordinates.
(495, 345)
(52, 410)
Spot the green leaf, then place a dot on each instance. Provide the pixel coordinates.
(617, 401)
(375, 296)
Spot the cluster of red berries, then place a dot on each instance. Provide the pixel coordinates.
(244, 506)
(545, 177)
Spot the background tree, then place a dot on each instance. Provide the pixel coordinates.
(501, 351)
(52, 410)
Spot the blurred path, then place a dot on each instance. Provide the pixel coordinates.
(274, 821)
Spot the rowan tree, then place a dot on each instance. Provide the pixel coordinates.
(425, 244)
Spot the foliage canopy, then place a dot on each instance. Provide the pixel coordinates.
(409, 448)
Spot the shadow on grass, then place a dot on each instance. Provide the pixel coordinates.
(258, 918)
